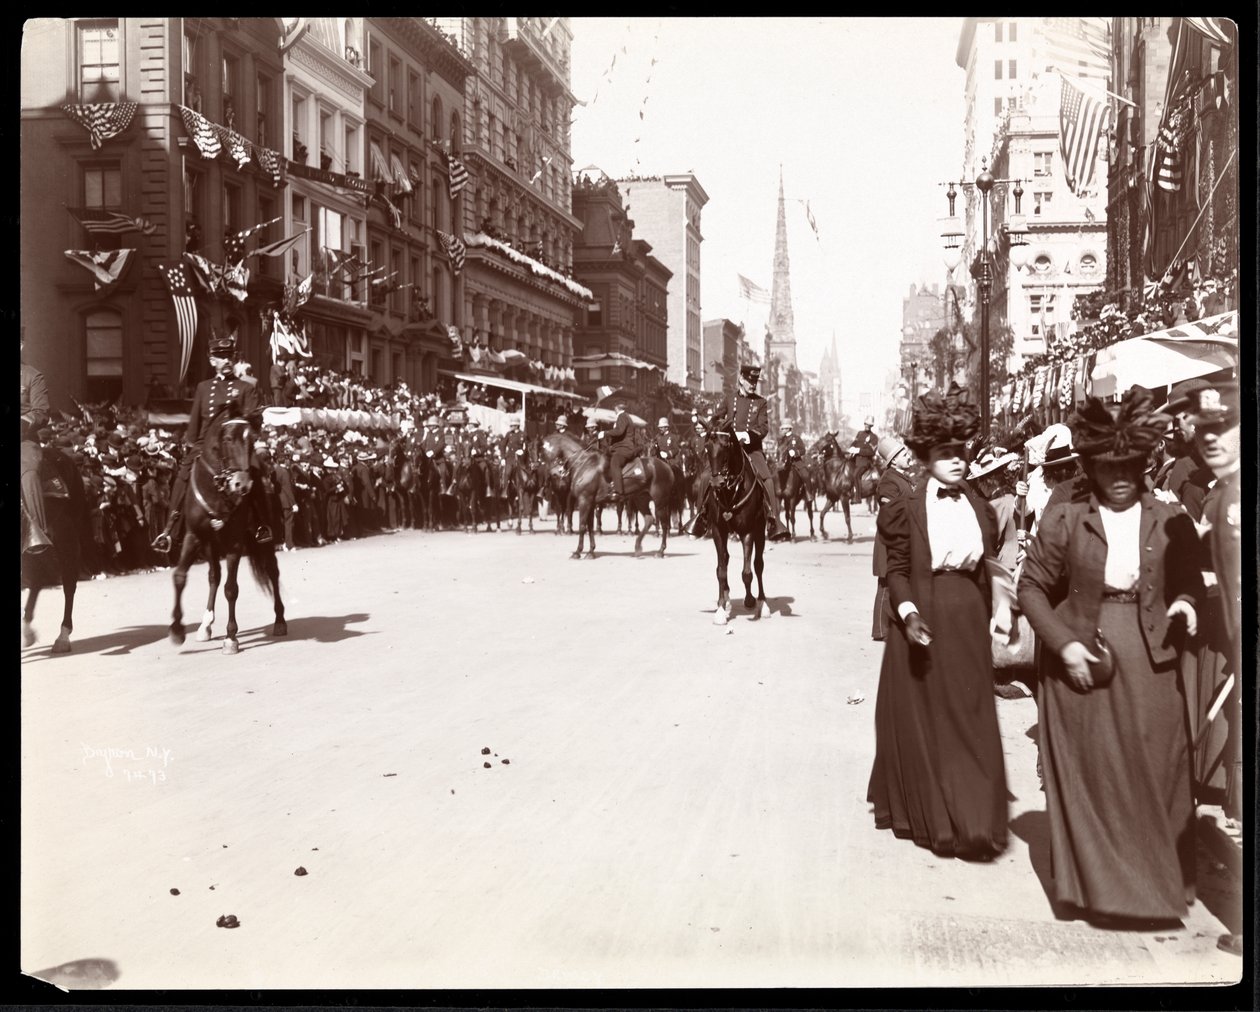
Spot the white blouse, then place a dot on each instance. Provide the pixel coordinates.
(1124, 546)
(953, 535)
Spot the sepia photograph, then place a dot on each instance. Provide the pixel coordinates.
(618, 503)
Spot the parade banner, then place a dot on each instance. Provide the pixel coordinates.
(338, 179)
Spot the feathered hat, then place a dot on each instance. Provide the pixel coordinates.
(942, 419)
(1127, 430)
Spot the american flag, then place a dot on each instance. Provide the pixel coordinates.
(102, 222)
(752, 291)
(102, 120)
(209, 274)
(1212, 29)
(296, 296)
(176, 277)
(236, 281)
(291, 29)
(1077, 47)
(106, 266)
(455, 249)
(1082, 120)
(202, 131)
(234, 242)
(288, 337)
(458, 175)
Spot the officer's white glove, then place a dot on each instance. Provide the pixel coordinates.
(294, 508)
(1021, 488)
(742, 437)
(520, 453)
(664, 454)
(428, 453)
(599, 435)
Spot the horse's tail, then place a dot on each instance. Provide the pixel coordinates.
(262, 561)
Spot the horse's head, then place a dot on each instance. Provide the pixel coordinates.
(229, 441)
(726, 459)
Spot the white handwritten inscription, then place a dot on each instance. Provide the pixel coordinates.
(154, 758)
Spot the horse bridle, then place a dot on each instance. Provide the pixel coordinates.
(220, 478)
(728, 482)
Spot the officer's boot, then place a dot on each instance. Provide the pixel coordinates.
(775, 530)
(698, 526)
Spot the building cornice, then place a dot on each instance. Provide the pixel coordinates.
(319, 61)
(477, 255)
(475, 155)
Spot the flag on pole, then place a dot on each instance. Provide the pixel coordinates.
(1082, 120)
(102, 120)
(752, 291)
(455, 249)
(209, 274)
(202, 132)
(234, 244)
(236, 281)
(101, 222)
(291, 29)
(280, 246)
(107, 267)
(457, 175)
(1077, 47)
(809, 216)
(176, 277)
(296, 296)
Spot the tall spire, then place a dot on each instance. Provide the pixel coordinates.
(781, 325)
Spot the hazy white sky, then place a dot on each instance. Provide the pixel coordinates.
(864, 114)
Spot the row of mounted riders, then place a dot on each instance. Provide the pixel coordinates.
(710, 475)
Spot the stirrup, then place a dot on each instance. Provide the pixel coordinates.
(162, 543)
(263, 535)
(216, 524)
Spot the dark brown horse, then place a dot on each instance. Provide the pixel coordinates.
(65, 509)
(216, 519)
(796, 489)
(837, 484)
(735, 505)
(648, 484)
(526, 479)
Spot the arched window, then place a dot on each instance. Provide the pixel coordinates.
(457, 135)
(435, 124)
(103, 355)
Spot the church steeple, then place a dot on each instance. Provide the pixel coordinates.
(781, 325)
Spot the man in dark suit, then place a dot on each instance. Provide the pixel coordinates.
(1189, 477)
(745, 414)
(286, 494)
(222, 390)
(620, 442)
(33, 408)
(1216, 419)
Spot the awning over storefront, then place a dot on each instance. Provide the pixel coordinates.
(518, 387)
(1167, 356)
(612, 359)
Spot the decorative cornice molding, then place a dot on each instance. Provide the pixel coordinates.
(328, 67)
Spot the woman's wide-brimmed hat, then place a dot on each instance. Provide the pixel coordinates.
(948, 419)
(1124, 431)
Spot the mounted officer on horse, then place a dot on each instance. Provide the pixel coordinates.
(745, 415)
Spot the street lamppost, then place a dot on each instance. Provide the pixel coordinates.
(1016, 228)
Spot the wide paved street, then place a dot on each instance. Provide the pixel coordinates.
(664, 802)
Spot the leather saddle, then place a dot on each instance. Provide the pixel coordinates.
(51, 481)
(634, 477)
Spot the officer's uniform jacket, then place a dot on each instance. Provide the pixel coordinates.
(748, 413)
(667, 447)
(214, 395)
(865, 442)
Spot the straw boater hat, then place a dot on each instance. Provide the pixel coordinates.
(990, 460)
(943, 420)
(1113, 433)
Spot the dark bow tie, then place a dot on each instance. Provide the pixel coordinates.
(949, 492)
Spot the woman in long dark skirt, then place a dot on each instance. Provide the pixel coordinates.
(1122, 566)
(938, 776)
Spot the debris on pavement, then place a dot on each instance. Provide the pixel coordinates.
(174, 892)
(855, 697)
(486, 750)
(485, 766)
(228, 921)
(527, 579)
(389, 774)
(506, 762)
(299, 871)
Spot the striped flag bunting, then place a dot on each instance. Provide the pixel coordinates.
(203, 133)
(455, 249)
(236, 146)
(291, 29)
(288, 337)
(280, 246)
(271, 163)
(457, 175)
(107, 266)
(176, 277)
(1077, 47)
(234, 244)
(1082, 120)
(102, 120)
(101, 222)
(1212, 29)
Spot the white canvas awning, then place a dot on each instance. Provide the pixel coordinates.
(1167, 356)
